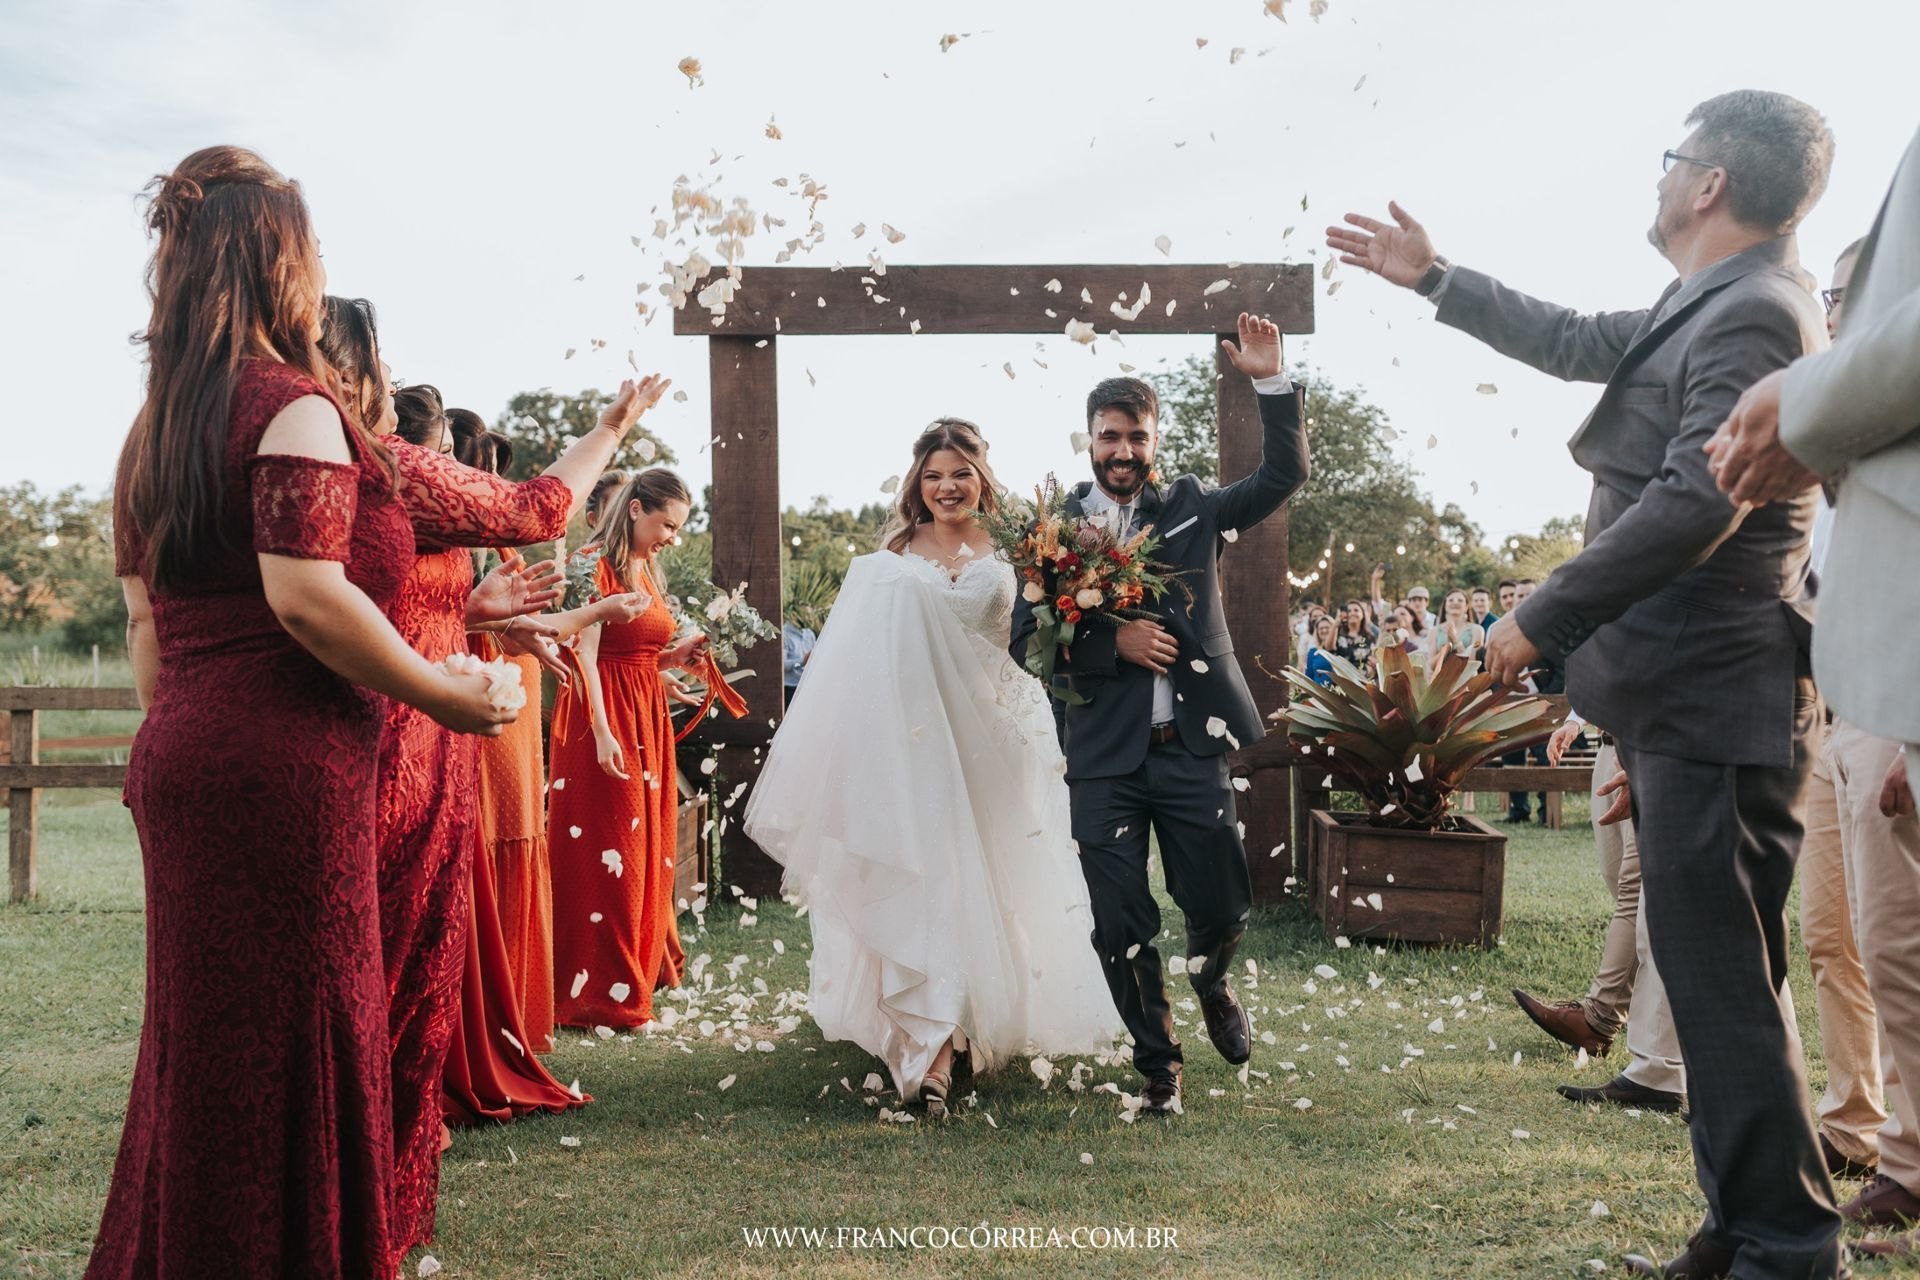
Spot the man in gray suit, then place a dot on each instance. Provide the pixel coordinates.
(1852, 415)
(1683, 626)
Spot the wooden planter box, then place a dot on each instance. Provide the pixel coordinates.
(1433, 886)
(690, 863)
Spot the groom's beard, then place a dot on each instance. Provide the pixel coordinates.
(1121, 480)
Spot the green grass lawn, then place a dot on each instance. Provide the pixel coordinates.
(1455, 1160)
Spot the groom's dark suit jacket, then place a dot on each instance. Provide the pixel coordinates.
(1107, 737)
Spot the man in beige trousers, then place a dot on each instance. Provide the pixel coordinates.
(1853, 1109)
(1851, 416)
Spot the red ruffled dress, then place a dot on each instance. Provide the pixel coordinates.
(428, 817)
(258, 1137)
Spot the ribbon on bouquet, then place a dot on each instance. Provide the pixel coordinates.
(704, 668)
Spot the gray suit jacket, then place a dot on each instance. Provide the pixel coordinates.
(1684, 621)
(1854, 413)
(1107, 737)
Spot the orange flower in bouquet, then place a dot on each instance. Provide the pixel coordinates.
(1075, 571)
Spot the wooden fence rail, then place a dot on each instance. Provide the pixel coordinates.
(23, 777)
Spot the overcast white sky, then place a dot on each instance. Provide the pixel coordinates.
(465, 162)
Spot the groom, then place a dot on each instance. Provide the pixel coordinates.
(1165, 703)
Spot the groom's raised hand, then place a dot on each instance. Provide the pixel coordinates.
(1399, 253)
(1259, 354)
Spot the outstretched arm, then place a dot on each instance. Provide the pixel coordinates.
(1553, 339)
(1284, 462)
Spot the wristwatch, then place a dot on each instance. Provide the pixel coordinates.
(1435, 274)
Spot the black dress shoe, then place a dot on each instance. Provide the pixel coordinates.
(1839, 1166)
(1701, 1260)
(1622, 1092)
(1227, 1025)
(1162, 1094)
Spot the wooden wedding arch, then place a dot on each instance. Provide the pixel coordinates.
(774, 302)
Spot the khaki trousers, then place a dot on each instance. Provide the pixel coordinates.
(1883, 865)
(1853, 1108)
(1627, 987)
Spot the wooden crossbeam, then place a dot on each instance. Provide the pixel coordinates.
(816, 301)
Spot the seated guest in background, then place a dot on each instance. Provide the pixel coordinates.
(1508, 594)
(1480, 608)
(1319, 667)
(1409, 628)
(1456, 631)
(1356, 639)
(1421, 602)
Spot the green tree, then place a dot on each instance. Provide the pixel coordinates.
(541, 424)
(56, 565)
(1558, 541)
(1362, 496)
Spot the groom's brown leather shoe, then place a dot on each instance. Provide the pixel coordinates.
(1566, 1022)
(1701, 1260)
(1227, 1025)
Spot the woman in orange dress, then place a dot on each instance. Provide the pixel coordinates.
(513, 775)
(613, 799)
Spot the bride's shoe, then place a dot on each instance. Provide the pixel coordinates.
(934, 1088)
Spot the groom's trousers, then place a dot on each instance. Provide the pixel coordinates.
(1717, 849)
(1187, 802)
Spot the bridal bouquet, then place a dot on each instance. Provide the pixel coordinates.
(1074, 570)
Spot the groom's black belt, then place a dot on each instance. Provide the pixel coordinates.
(1162, 733)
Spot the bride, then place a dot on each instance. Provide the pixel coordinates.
(916, 796)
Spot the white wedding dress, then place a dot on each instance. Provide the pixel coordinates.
(916, 796)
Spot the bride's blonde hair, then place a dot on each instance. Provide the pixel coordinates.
(909, 507)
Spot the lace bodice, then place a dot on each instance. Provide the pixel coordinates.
(980, 595)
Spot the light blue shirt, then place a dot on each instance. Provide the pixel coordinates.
(796, 642)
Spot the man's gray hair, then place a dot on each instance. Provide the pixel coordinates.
(1776, 150)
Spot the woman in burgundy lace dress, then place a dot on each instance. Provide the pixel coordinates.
(259, 537)
(428, 801)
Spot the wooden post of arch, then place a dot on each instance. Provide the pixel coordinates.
(1026, 300)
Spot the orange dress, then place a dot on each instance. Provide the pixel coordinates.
(513, 824)
(611, 843)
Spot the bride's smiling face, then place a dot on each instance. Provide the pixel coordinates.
(950, 486)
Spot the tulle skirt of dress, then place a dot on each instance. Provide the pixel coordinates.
(916, 796)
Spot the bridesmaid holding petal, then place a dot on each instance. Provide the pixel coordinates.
(259, 538)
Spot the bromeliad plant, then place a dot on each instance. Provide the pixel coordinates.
(1406, 740)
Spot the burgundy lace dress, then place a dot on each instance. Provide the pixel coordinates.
(429, 803)
(258, 1136)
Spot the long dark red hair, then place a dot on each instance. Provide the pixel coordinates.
(235, 273)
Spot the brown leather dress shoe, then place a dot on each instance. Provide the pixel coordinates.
(1882, 1203)
(1700, 1260)
(1622, 1092)
(1227, 1025)
(1162, 1094)
(1566, 1022)
(1839, 1166)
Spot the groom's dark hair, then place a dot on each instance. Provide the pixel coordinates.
(1130, 395)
